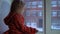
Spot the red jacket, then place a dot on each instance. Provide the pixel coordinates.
(16, 25)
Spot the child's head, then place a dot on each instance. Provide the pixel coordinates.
(17, 4)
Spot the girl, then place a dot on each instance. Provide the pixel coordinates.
(15, 20)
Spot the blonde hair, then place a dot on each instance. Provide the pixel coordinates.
(15, 4)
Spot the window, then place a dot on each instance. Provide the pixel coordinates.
(33, 24)
(39, 4)
(54, 3)
(55, 17)
(59, 2)
(27, 0)
(34, 3)
(44, 19)
(33, 6)
(59, 13)
(34, 12)
(54, 22)
(27, 13)
(54, 13)
(28, 24)
(40, 23)
(40, 13)
(28, 4)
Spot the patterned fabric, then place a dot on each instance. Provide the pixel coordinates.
(16, 25)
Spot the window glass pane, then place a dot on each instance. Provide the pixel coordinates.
(59, 2)
(27, 12)
(34, 24)
(31, 18)
(54, 21)
(34, 13)
(55, 15)
(59, 13)
(40, 13)
(28, 24)
(39, 4)
(53, 3)
(33, 6)
(28, 4)
(40, 22)
(34, 3)
(27, 0)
